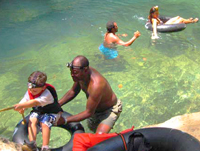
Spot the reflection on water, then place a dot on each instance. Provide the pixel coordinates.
(165, 45)
(159, 79)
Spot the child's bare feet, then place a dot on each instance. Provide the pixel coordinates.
(195, 20)
(191, 19)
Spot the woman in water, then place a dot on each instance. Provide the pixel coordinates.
(154, 19)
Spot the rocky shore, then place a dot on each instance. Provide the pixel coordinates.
(189, 123)
(6, 145)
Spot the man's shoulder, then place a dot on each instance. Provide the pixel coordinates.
(95, 74)
(111, 36)
(97, 78)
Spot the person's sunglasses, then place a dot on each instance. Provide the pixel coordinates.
(33, 85)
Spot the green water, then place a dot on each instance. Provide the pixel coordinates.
(160, 79)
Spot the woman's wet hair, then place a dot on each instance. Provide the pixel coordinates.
(38, 78)
(110, 25)
(152, 10)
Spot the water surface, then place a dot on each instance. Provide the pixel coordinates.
(160, 78)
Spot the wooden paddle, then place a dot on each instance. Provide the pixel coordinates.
(10, 108)
(24, 120)
(6, 109)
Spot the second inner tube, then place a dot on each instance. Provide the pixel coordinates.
(166, 27)
(160, 139)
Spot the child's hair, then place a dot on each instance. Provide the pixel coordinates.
(38, 78)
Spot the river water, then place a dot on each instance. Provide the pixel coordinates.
(158, 79)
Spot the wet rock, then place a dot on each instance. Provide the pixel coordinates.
(189, 123)
(6, 145)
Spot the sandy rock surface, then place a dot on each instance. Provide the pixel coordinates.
(189, 123)
(6, 145)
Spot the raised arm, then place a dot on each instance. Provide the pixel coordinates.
(128, 43)
(69, 95)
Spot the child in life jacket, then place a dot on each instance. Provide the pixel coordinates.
(42, 97)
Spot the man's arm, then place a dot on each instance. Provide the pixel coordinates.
(69, 95)
(93, 101)
(128, 43)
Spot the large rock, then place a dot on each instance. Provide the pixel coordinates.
(6, 145)
(189, 123)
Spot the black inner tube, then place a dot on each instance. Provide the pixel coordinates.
(166, 27)
(21, 133)
(161, 139)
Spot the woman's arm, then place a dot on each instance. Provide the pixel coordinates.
(154, 26)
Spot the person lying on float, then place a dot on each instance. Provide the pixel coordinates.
(155, 21)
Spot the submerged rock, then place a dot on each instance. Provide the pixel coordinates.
(189, 123)
(6, 145)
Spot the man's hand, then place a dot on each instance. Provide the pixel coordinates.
(137, 34)
(62, 121)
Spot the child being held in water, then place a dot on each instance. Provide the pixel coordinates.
(42, 97)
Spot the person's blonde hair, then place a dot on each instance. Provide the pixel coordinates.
(152, 10)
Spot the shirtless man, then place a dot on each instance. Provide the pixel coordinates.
(102, 107)
(111, 39)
